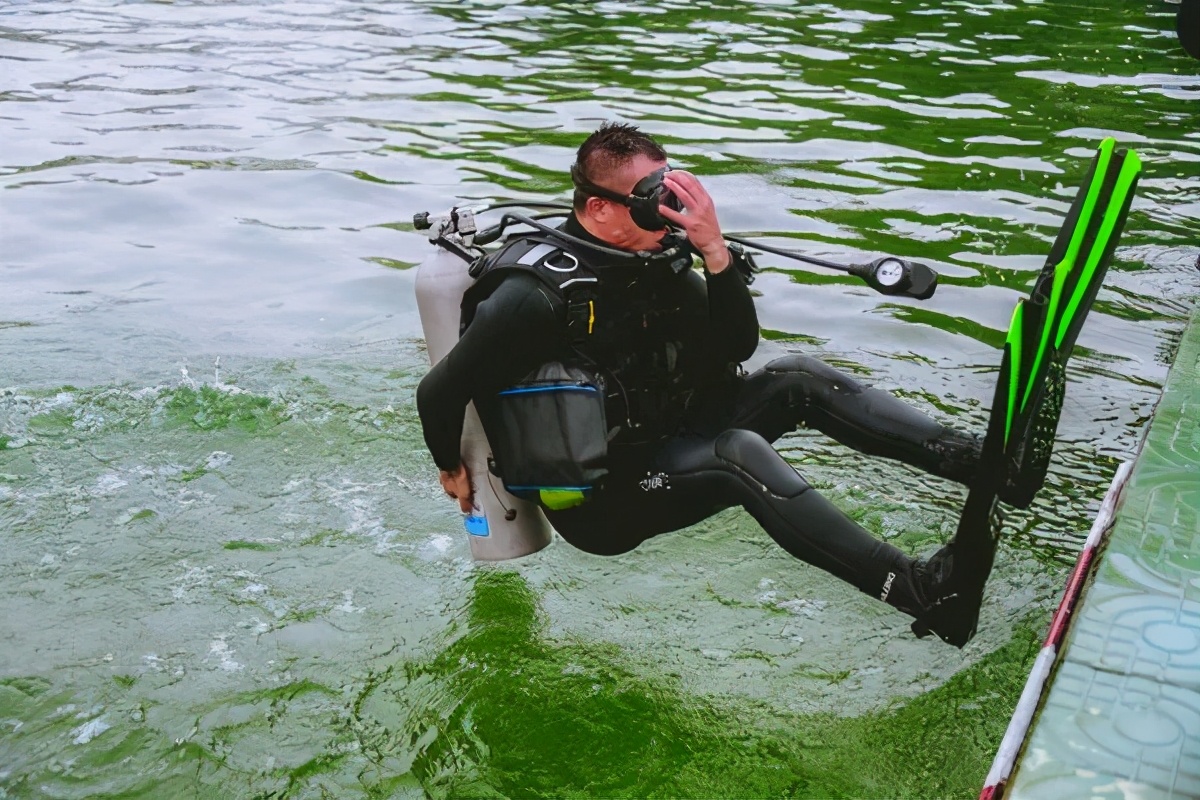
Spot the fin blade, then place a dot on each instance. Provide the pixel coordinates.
(1096, 266)
(1051, 317)
(1027, 370)
(1061, 272)
(1090, 193)
(1063, 261)
(1069, 239)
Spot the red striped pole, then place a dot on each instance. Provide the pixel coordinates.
(1022, 717)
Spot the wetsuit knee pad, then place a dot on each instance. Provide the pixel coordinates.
(815, 370)
(794, 363)
(814, 387)
(753, 455)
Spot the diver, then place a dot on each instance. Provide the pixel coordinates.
(691, 433)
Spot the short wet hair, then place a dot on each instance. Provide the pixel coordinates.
(607, 150)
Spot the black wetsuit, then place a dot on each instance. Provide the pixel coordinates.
(715, 451)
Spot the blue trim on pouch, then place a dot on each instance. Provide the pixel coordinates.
(531, 389)
(548, 488)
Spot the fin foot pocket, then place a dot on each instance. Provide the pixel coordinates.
(1027, 458)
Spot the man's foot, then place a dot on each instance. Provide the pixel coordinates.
(957, 455)
(954, 613)
(951, 582)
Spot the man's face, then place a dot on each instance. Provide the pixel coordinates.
(615, 223)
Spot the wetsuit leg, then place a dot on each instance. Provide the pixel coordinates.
(742, 466)
(800, 390)
(694, 477)
(636, 503)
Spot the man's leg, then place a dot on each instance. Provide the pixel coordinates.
(692, 478)
(742, 467)
(637, 502)
(800, 390)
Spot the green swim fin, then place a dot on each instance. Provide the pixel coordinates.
(1045, 325)
(1029, 393)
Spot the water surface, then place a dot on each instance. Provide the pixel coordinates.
(227, 567)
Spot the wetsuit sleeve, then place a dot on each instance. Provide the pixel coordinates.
(733, 321)
(514, 331)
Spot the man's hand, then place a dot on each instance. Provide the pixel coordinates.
(458, 486)
(699, 219)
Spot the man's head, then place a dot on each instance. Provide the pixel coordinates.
(615, 158)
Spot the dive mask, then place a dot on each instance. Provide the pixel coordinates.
(643, 201)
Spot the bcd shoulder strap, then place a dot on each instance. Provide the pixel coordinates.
(563, 272)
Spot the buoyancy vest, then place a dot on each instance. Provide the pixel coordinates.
(636, 321)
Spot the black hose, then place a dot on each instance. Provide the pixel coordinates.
(820, 262)
(533, 223)
(917, 280)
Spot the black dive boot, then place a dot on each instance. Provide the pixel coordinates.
(950, 584)
(955, 455)
(945, 592)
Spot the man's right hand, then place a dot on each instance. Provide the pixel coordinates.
(457, 485)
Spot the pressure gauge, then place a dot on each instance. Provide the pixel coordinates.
(889, 272)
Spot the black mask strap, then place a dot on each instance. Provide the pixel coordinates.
(642, 202)
(587, 187)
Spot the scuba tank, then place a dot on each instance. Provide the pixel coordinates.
(499, 526)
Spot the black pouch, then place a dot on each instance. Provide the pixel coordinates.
(551, 437)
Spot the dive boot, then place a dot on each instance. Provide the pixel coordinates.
(1044, 327)
(956, 455)
(952, 581)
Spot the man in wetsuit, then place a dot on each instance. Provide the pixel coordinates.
(692, 433)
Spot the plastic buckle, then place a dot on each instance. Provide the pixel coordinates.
(580, 318)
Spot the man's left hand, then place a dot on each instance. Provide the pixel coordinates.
(698, 219)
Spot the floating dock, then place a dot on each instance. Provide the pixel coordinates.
(1112, 707)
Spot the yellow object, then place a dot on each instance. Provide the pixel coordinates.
(560, 499)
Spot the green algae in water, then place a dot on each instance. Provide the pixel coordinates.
(523, 716)
(51, 423)
(326, 537)
(50, 755)
(504, 710)
(189, 475)
(390, 263)
(789, 338)
(211, 409)
(239, 544)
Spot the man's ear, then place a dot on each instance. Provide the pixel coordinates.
(597, 208)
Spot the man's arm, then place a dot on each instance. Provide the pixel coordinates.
(732, 318)
(733, 322)
(514, 331)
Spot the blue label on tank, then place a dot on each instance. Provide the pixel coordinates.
(477, 526)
